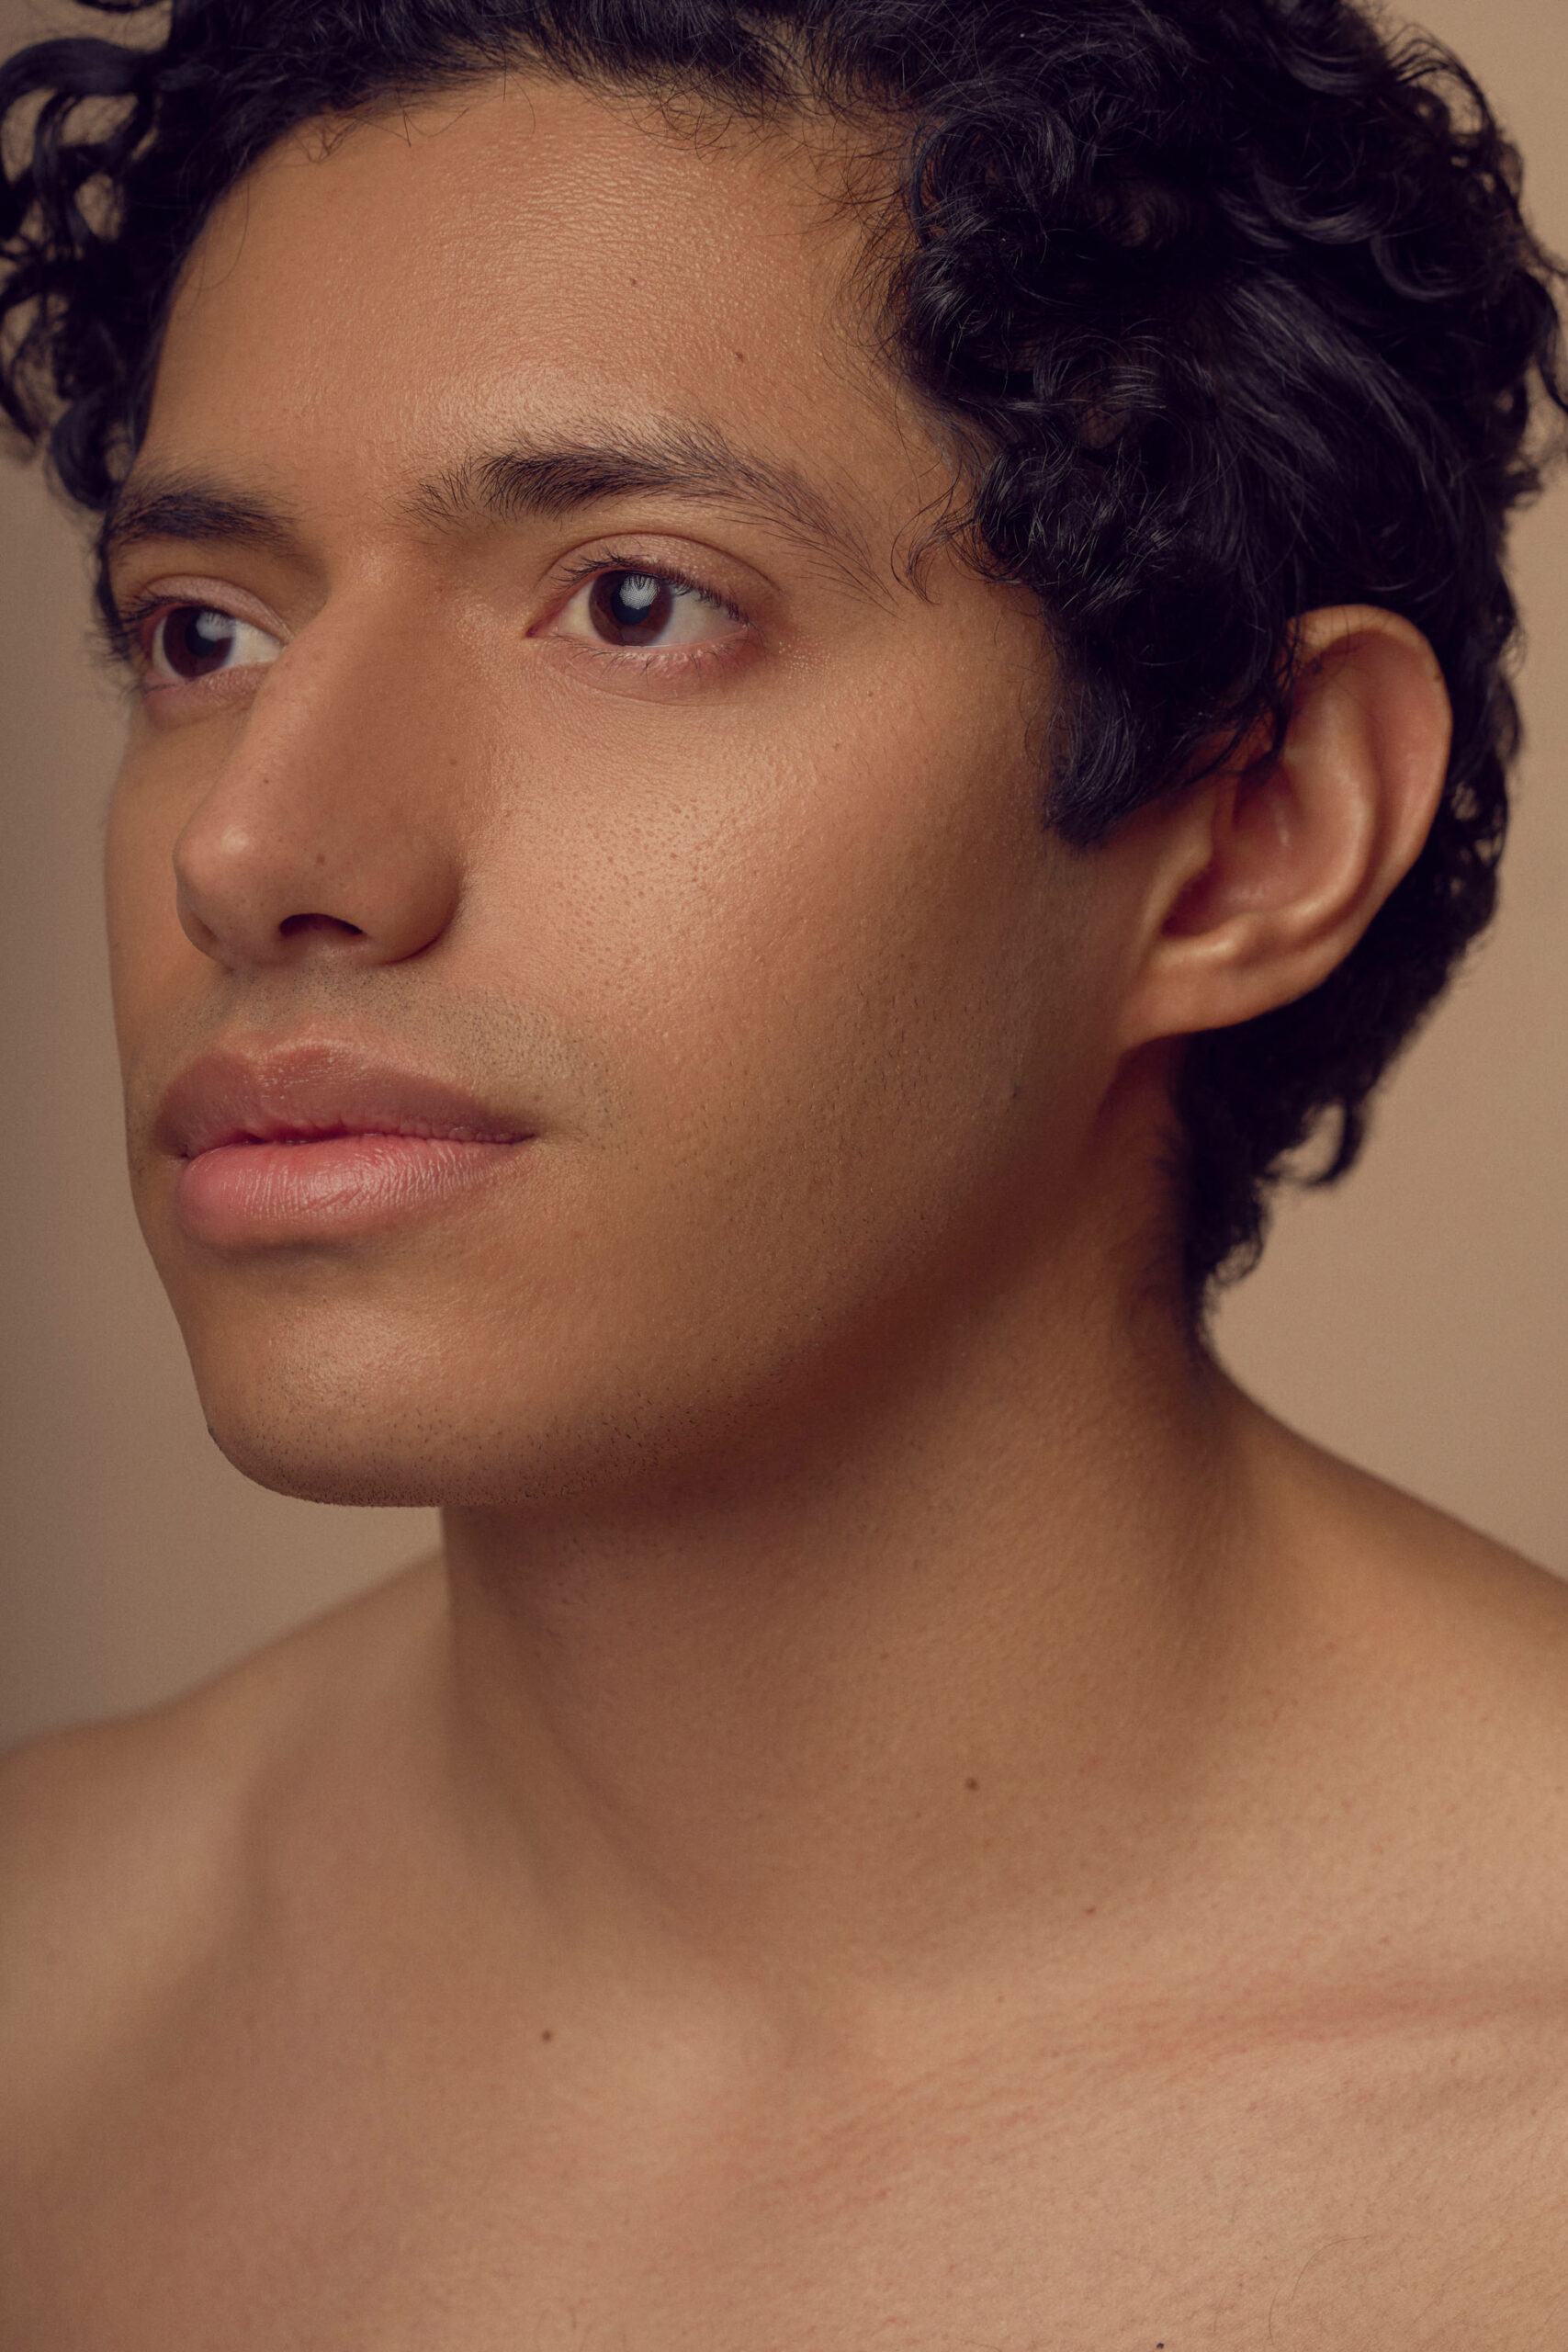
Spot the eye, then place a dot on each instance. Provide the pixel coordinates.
(621, 606)
(184, 642)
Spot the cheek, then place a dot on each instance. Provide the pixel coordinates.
(147, 946)
(825, 996)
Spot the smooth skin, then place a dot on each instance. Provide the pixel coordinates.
(909, 1813)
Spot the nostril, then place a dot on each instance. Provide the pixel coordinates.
(291, 925)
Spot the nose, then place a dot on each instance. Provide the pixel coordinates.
(321, 838)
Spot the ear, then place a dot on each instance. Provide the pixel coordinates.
(1260, 880)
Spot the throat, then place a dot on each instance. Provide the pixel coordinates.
(857, 1723)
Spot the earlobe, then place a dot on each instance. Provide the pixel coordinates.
(1261, 879)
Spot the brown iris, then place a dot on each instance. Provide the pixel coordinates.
(630, 607)
(193, 640)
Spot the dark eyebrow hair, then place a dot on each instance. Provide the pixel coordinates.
(551, 477)
(182, 506)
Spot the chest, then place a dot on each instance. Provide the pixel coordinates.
(1347, 2200)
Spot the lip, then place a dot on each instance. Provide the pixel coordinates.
(318, 1140)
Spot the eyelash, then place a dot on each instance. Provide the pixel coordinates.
(670, 574)
(122, 627)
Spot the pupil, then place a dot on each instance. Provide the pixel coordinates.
(631, 607)
(196, 642)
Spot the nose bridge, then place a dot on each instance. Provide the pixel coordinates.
(326, 830)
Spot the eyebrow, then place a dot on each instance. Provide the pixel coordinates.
(683, 459)
(524, 479)
(182, 506)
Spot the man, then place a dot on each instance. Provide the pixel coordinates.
(807, 681)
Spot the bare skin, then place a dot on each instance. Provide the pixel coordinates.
(909, 1812)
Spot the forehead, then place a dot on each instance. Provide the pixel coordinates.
(529, 251)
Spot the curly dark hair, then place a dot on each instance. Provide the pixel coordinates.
(1228, 307)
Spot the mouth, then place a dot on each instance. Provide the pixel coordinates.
(320, 1140)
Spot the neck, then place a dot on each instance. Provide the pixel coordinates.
(960, 1663)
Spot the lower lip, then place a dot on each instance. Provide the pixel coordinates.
(241, 1193)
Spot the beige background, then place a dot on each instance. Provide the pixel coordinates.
(1414, 1320)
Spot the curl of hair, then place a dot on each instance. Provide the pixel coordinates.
(1228, 306)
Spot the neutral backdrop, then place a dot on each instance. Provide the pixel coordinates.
(1414, 1319)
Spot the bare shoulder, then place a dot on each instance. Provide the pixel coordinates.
(1503, 1611)
(125, 1846)
(1440, 1676)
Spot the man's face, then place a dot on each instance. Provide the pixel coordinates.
(575, 778)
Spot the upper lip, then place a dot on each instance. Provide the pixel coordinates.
(323, 1088)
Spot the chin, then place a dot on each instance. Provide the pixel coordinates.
(525, 1396)
(398, 1425)
(354, 1407)
(328, 1441)
(338, 1466)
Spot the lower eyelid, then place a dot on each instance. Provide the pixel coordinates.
(617, 669)
(671, 657)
